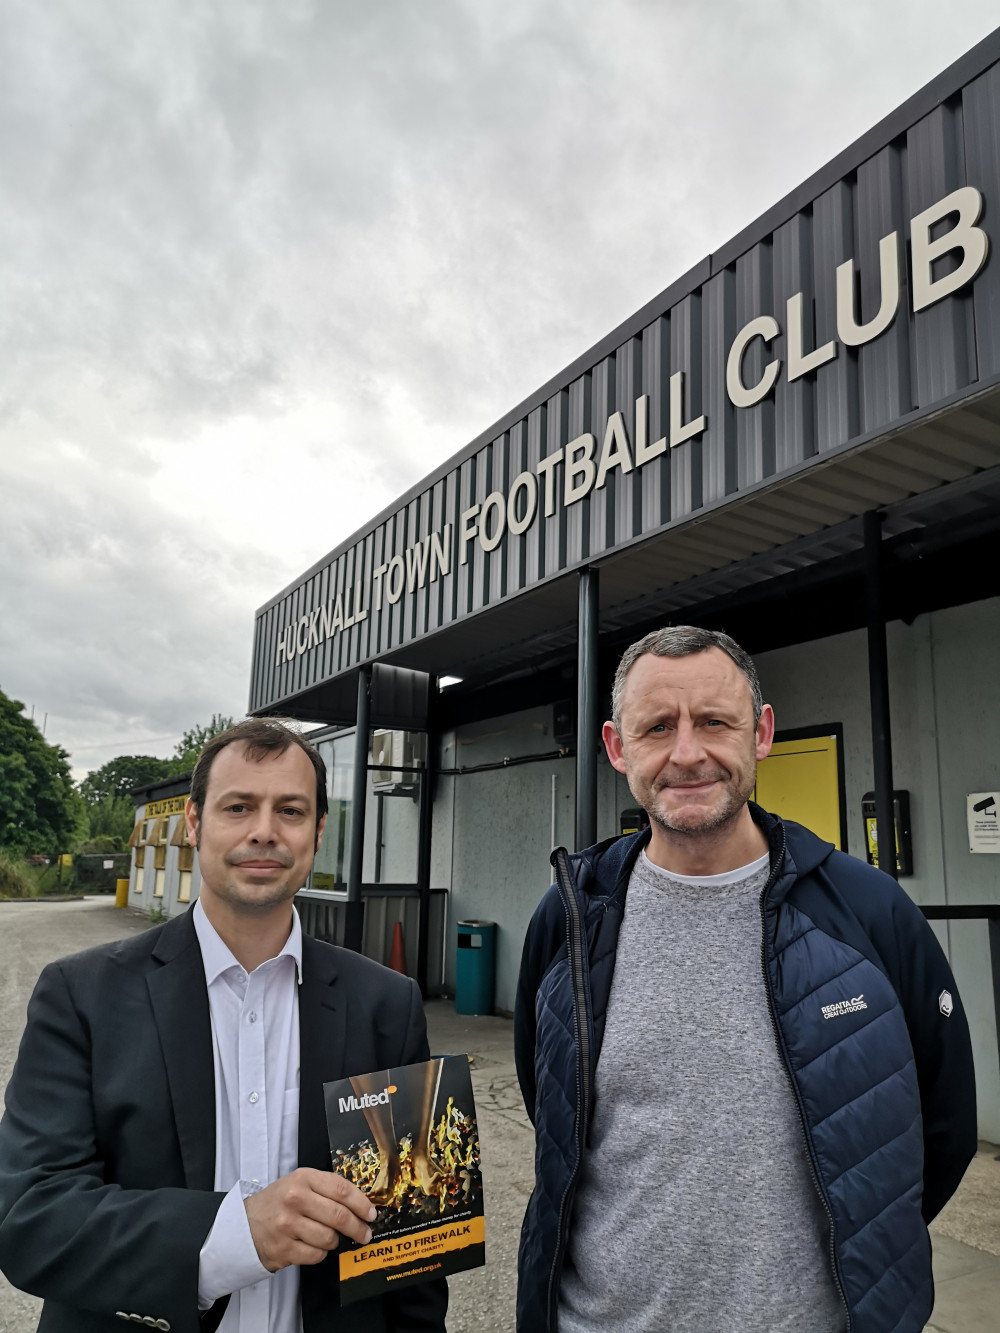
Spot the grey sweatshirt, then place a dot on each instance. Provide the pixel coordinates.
(696, 1210)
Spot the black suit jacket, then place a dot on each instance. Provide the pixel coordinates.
(107, 1146)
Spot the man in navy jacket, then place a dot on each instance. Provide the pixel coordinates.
(743, 1051)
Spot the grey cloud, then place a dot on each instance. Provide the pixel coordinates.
(369, 230)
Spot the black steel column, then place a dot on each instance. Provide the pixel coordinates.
(355, 908)
(994, 929)
(424, 811)
(588, 723)
(878, 686)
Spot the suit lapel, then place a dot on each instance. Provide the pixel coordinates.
(322, 1046)
(179, 998)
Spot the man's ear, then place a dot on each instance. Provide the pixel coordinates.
(191, 821)
(613, 745)
(765, 732)
(319, 832)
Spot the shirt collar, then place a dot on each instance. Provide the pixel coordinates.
(217, 957)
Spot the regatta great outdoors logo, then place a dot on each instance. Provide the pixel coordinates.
(369, 1099)
(852, 1006)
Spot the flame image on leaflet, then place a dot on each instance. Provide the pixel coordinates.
(408, 1138)
(454, 1156)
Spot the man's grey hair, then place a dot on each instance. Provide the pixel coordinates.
(683, 641)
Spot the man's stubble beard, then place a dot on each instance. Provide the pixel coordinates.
(237, 896)
(730, 810)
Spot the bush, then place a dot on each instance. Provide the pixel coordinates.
(16, 880)
(103, 846)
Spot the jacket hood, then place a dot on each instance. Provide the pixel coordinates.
(604, 869)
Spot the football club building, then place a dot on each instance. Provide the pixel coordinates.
(797, 442)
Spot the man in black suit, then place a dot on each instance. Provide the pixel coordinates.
(167, 1085)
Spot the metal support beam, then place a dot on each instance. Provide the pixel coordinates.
(878, 686)
(424, 812)
(588, 724)
(355, 908)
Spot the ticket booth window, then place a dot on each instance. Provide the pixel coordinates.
(185, 865)
(137, 843)
(157, 839)
(140, 862)
(185, 860)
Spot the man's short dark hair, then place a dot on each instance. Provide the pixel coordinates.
(683, 641)
(263, 736)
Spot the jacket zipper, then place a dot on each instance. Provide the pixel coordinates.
(779, 1042)
(574, 941)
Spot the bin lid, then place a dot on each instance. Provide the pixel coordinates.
(475, 925)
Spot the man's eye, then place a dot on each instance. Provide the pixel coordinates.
(236, 809)
(658, 727)
(291, 810)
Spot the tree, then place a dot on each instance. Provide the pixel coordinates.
(118, 778)
(191, 744)
(40, 809)
(111, 818)
(106, 793)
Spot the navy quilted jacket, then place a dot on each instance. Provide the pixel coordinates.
(886, 1093)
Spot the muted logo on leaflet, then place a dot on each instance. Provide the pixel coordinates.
(369, 1099)
(852, 1006)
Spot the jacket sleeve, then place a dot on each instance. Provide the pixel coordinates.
(546, 931)
(66, 1233)
(942, 1047)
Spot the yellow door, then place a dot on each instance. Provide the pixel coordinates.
(800, 780)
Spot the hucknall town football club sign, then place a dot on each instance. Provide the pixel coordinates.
(947, 248)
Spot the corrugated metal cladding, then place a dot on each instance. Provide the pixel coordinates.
(922, 359)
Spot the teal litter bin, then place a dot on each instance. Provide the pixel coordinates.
(475, 964)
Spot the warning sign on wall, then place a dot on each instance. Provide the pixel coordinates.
(983, 813)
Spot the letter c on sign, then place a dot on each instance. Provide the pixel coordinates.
(766, 327)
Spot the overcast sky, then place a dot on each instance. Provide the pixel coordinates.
(265, 263)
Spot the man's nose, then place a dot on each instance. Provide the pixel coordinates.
(687, 749)
(264, 829)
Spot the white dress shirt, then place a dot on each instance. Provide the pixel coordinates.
(255, 1039)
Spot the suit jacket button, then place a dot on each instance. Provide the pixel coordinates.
(149, 1321)
(163, 1324)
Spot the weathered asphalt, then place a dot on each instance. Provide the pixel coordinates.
(31, 935)
(967, 1274)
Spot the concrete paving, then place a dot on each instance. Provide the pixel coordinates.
(966, 1237)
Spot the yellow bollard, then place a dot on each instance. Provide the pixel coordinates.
(121, 893)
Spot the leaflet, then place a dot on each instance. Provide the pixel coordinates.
(408, 1138)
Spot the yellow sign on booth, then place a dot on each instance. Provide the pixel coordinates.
(170, 805)
(800, 780)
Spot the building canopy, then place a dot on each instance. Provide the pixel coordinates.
(842, 354)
